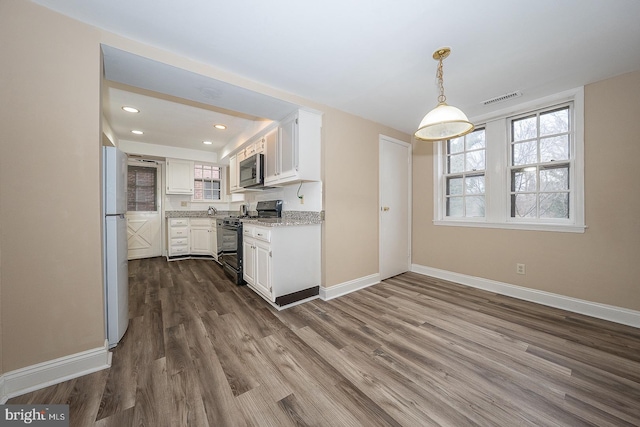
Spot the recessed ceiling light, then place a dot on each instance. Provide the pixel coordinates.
(130, 109)
(220, 126)
(207, 142)
(137, 132)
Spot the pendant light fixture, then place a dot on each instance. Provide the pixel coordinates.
(444, 121)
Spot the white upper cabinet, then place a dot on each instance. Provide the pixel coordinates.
(233, 173)
(294, 153)
(271, 156)
(179, 176)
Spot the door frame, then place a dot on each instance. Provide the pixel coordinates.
(383, 139)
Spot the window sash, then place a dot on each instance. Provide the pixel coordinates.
(465, 161)
(531, 202)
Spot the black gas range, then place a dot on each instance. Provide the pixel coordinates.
(230, 238)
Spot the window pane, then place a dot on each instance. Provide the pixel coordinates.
(554, 179)
(474, 206)
(456, 163)
(525, 153)
(554, 148)
(554, 122)
(525, 128)
(554, 205)
(454, 206)
(197, 172)
(475, 161)
(454, 186)
(475, 140)
(206, 172)
(141, 188)
(523, 205)
(523, 180)
(474, 184)
(215, 173)
(198, 190)
(455, 145)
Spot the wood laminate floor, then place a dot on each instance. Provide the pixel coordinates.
(410, 351)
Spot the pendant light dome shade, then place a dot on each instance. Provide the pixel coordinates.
(444, 121)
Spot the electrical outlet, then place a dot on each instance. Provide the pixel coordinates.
(520, 269)
(301, 199)
(184, 203)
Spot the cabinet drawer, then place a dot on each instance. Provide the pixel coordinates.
(179, 241)
(263, 234)
(204, 222)
(179, 250)
(179, 232)
(179, 222)
(247, 231)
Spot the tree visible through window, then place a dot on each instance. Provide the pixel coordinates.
(540, 163)
(207, 182)
(141, 188)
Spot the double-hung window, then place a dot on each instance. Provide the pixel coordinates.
(207, 182)
(520, 168)
(465, 164)
(540, 164)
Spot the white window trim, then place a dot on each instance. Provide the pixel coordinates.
(496, 172)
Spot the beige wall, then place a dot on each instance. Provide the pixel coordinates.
(351, 196)
(51, 272)
(603, 264)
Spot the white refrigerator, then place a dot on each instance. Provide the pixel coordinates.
(116, 272)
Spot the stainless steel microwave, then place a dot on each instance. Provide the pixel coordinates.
(252, 171)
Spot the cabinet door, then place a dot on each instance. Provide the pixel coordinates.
(248, 261)
(179, 176)
(271, 154)
(288, 149)
(201, 240)
(263, 269)
(213, 238)
(233, 173)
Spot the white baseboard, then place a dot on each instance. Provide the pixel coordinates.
(35, 377)
(348, 287)
(601, 311)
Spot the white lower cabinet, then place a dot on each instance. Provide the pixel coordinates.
(200, 236)
(282, 264)
(192, 236)
(178, 237)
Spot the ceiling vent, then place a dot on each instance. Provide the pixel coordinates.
(502, 98)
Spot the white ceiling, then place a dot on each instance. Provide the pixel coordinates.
(369, 58)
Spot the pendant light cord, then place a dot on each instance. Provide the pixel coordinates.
(439, 76)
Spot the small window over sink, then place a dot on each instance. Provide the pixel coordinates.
(207, 182)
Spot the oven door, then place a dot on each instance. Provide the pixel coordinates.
(251, 174)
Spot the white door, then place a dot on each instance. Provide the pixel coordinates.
(395, 207)
(144, 225)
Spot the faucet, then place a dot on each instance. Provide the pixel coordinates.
(212, 210)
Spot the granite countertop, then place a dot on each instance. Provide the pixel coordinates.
(196, 214)
(289, 218)
(279, 222)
